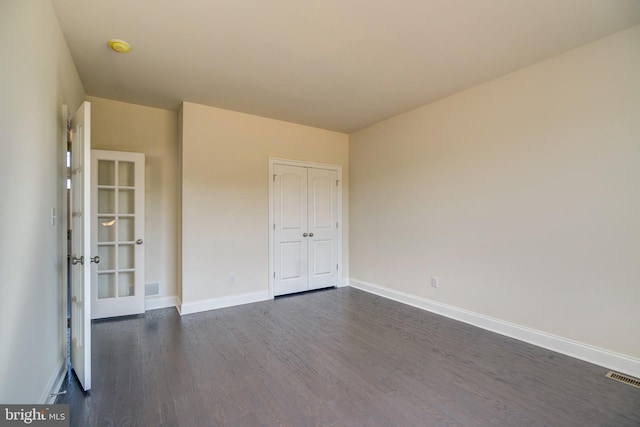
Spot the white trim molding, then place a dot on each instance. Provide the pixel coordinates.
(598, 356)
(222, 302)
(48, 395)
(344, 283)
(179, 306)
(156, 302)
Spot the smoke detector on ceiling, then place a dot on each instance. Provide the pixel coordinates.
(119, 46)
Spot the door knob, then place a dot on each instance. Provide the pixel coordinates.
(310, 234)
(304, 234)
(95, 259)
(139, 242)
(75, 260)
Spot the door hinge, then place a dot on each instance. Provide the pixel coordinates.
(274, 225)
(337, 181)
(337, 267)
(336, 225)
(274, 177)
(274, 274)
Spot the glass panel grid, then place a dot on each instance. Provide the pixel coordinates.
(116, 226)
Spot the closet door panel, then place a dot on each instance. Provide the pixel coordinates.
(323, 227)
(290, 226)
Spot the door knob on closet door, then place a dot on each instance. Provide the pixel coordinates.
(310, 234)
(304, 234)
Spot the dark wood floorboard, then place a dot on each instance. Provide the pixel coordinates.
(338, 357)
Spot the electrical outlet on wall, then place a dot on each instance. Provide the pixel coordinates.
(434, 282)
(232, 278)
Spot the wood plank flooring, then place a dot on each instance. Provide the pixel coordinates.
(339, 357)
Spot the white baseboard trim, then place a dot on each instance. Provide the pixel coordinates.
(154, 303)
(54, 383)
(345, 283)
(228, 301)
(598, 356)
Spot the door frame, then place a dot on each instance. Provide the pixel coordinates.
(63, 226)
(289, 162)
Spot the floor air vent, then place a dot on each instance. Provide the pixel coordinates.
(624, 379)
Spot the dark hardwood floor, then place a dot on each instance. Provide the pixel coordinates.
(339, 357)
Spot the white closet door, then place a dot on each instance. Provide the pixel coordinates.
(290, 227)
(305, 203)
(323, 228)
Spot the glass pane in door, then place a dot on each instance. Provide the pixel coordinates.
(106, 285)
(126, 284)
(126, 174)
(125, 229)
(106, 229)
(106, 172)
(106, 201)
(126, 256)
(126, 201)
(107, 254)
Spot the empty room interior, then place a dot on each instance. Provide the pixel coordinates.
(321, 213)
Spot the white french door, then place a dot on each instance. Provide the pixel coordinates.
(305, 229)
(81, 260)
(117, 221)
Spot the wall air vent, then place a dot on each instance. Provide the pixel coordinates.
(151, 289)
(634, 382)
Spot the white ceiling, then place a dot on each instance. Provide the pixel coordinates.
(334, 64)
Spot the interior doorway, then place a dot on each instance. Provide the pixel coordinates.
(305, 231)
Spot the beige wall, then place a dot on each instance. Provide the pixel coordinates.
(521, 195)
(120, 126)
(225, 194)
(37, 76)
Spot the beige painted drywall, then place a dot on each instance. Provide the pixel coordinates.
(37, 76)
(120, 126)
(521, 195)
(225, 194)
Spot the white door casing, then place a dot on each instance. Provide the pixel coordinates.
(81, 245)
(117, 220)
(305, 232)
